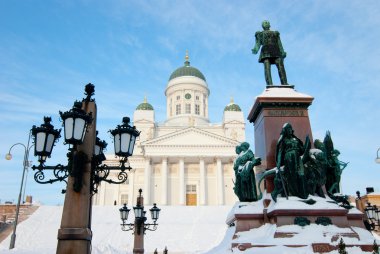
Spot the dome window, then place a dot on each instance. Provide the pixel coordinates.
(197, 111)
(188, 108)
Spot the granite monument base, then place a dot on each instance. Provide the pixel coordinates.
(273, 108)
(297, 223)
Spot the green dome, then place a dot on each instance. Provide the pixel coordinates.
(145, 106)
(232, 106)
(187, 70)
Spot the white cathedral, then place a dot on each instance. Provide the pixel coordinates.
(184, 160)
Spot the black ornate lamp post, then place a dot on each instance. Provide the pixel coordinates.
(8, 156)
(139, 226)
(84, 170)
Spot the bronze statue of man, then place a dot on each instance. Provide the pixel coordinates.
(271, 52)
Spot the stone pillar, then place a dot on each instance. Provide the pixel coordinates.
(220, 181)
(276, 106)
(75, 235)
(147, 181)
(138, 243)
(202, 177)
(164, 178)
(182, 186)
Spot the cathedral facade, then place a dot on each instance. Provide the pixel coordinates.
(184, 160)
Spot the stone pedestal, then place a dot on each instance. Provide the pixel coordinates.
(273, 108)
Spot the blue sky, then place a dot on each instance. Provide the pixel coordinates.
(50, 49)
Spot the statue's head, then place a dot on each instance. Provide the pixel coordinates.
(287, 129)
(265, 25)
(244, 146)
(318, 144)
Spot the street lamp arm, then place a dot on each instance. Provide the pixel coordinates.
(147, 226)
(104, 171)
(21, 144)
(60, 173)
(127, 226)
(101, 173)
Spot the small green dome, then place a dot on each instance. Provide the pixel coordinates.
(145, 105)
(232, 106)
(187, 70)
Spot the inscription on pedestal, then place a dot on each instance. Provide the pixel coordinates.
(282, 113)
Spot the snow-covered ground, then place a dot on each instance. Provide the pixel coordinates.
(183, 229)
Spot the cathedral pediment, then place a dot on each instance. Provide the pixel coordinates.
(190, 142)
(233, 122)
(191, 137)
(143, 121)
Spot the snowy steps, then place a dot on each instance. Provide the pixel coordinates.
(271, 225)
(322, 247)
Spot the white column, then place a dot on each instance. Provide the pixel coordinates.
(102, 193)
(182, 187)
(202, 180)
(164, 183)
(131, 194)
(147, 181)
(220, 182)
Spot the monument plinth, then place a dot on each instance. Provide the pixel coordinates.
(273, 108)
(293, 224)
